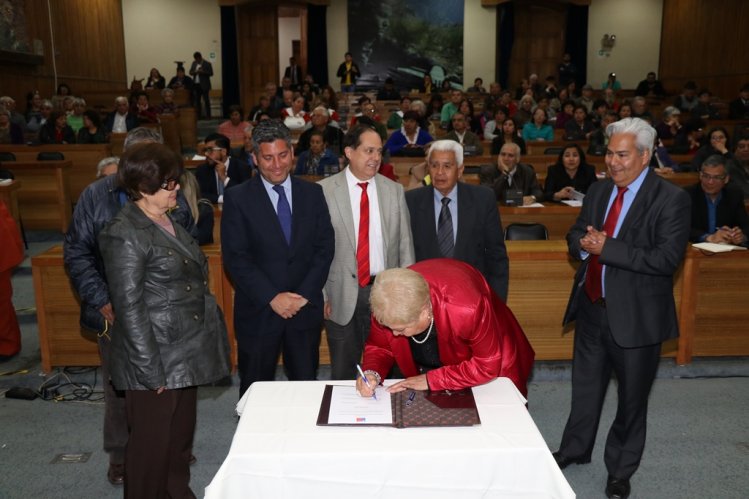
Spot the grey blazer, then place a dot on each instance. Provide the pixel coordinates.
(341, 288)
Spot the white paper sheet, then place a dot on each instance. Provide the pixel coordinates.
(572, 202)
(717, 248)
(348, 407)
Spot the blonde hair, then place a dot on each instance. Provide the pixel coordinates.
(398, 296)
(189, 186)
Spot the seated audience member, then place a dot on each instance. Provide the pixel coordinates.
(739, 167)
(508, 135)
(493, 128)
(612, 102)
(143, 110)
(580, 127)
(510, 174)
(738, 109)
(388, 91)
(524, 112)
(523, 89)
(492, 100)
(434, 108)
(245, 154)
(473, 123)
(447, 86)
(15, 117)
(551, 91)
(107, 166)
(718, 210)
(220, 171)
(670, 126)
(537, 129)
(121, 120)
(410, 139)
(451, 107)
(200, 207)
(569, 173)
(167, 106)
(470, 141)
(92, 132)
(75, 119)
(370, 118)
(537, 89)
(395, 121)
(687, 100)
(705, 108)
(566, 114)
(718, 141)
(294, 116)
(586, 99)
(155, 80)
(418, 106)
(276, 100)
(543, 103)
(650, 87)
(309, 95)
(444, 327)
(320, 120)
(181, 80)
(36, 120)
(478, 87)
(612, 83)
(600, 107)
(625, 110)
(427, 86)
(10, 133)
(572, 91)
(598, 140)
(234, 127)
(318, 159)
(56, 131)
(33, 108)
(328, 99)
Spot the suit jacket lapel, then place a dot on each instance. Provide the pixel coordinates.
(640, 204)
(466, 219)
(426, 215)
(342, 203)
(266, 212)
(383, 200)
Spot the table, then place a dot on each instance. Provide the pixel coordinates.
(279, 452)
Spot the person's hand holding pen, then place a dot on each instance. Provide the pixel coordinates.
(366, 383)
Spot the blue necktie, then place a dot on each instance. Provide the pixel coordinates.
(284, 212)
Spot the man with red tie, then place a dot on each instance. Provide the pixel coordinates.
(372, 233)
(631, 235)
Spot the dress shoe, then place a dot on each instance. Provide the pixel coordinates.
(564, 461)
(617, 488)
(116, 474)
(192, 460)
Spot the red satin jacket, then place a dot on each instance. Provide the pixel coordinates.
(478, 337)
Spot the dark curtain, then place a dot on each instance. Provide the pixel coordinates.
(576, 40)
(506, 27)
(317, 44)
(229, 58)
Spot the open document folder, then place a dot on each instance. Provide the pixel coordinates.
(342, 405)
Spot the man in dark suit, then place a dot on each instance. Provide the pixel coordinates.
(277, 244)
(220, 171)
(469, 220)
(201, 72)
(121, 120)
(631, 235)
(718, 210)
(294, 73)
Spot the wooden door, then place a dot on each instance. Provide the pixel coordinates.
(257, 49)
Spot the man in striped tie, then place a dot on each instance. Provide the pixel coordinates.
(631, 235)
(372, 233)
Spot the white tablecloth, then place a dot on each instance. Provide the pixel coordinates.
(279, 452)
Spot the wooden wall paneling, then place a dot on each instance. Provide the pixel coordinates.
(705, 42)
(257, 40)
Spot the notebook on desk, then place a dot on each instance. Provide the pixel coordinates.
(342, 406)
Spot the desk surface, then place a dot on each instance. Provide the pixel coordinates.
(279, 452)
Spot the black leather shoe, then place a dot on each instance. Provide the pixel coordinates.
(116, 474)
(564, 461)
(617, 488)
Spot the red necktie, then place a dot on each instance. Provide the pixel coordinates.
(362, 246)
(593, 276)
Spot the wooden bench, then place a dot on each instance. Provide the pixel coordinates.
(44, 200)
(83, 160)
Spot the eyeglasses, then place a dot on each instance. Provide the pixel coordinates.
(170, 184)
(214, 149)
(718, 137)
(712, 178)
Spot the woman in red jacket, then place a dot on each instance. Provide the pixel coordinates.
(11, 255)
(445, 328)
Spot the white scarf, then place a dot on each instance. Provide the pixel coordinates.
(416, 135)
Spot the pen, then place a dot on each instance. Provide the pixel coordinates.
(366, 381)
(411, 398)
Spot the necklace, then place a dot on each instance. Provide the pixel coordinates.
(429, 331)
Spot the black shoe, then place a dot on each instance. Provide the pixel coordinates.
(617, 488)
(116, 474)
(564, 461)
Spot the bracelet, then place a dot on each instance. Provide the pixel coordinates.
(375, 374)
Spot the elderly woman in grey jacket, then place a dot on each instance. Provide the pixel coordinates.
(169, 335)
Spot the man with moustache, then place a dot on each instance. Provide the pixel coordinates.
(220, 171)
(277, 245)
(372, 233)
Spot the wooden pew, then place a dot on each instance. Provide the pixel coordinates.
(9, 196)
(83, 160)
(44, 200)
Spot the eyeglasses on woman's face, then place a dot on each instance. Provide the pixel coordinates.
(169, 184)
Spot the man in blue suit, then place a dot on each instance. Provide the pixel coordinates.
(277, 244)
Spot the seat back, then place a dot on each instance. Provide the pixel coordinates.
(6, 174)
(549, 151)
(7, 156)
(50, 156)
(526, 232)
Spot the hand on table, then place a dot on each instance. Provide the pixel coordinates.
(413, 383)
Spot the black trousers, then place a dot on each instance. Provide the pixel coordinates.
(346, 342)
(204, 94)
(258, 352)
(115, 412)
(162, 427)
(596, 355)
